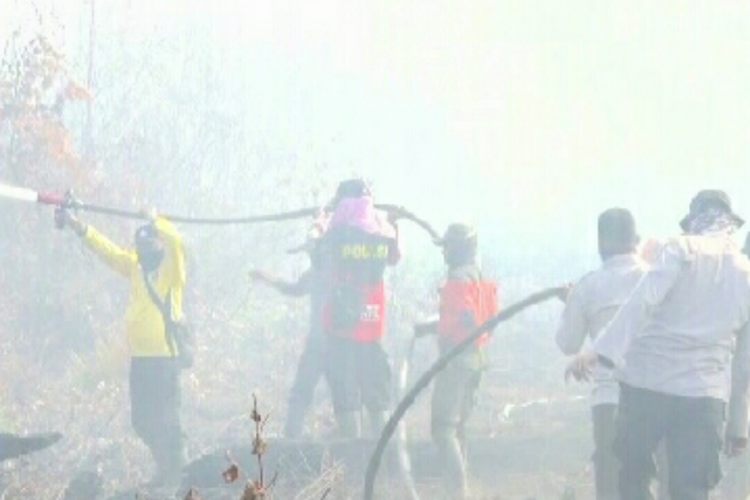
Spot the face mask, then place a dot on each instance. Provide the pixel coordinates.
(150, 259)
(455, 257)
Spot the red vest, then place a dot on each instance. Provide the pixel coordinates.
(460, 296)
(354, 263)
(370, 323)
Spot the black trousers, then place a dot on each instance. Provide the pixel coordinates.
(692, 431)
(310, 369)
(359, 374)
(606, 464)
(155, 407)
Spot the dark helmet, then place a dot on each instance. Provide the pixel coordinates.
(145, 234)
(148, 246)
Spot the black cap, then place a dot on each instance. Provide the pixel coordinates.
(618, 226)
(352, 188)
(707, 199)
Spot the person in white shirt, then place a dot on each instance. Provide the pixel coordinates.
(736, 482)
(590, 305)
(681, 347)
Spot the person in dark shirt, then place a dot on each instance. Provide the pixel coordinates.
(354, 252)
(311, 365)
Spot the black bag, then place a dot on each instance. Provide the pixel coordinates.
(347, 306)
(178, 332)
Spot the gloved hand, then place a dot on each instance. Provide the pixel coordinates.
(149, 213)
(63, 218)
(393, 216)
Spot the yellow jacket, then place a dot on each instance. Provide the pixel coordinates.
(144, 323)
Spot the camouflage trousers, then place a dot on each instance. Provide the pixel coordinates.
(453, 401)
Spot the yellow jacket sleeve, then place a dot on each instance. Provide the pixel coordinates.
(116, 257)
(174, 253)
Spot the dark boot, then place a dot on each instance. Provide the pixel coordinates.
(454, 468)
(169, 456)
(295, 423)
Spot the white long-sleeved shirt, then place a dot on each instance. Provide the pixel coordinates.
(591, 305)
(684, 331)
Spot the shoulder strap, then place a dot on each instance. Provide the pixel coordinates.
(164, 308)
(160, 305)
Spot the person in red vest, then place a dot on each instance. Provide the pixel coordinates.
(353, 254)
(466, 301)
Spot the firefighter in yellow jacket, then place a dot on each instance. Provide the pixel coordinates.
(154, 371)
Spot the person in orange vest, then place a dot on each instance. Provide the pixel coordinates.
(155, 363)
(466, 301)
(358, 245)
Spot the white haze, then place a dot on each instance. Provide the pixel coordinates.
(525, 117)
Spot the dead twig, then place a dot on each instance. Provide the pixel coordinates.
(254, 490)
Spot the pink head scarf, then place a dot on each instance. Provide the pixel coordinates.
(361, 213)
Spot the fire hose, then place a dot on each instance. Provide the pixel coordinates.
(439, 365)
(68, 201)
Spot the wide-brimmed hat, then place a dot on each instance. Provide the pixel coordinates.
(706, 199)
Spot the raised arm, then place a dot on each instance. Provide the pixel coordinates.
(394, 250)
(119, 259)
(114, 256)
(297, 288)
(174, 253)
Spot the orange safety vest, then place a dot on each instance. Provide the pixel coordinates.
(458, 296)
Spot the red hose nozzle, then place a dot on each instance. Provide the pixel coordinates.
(50, 199)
